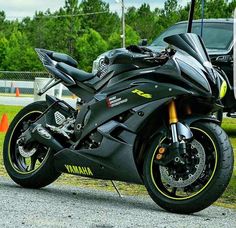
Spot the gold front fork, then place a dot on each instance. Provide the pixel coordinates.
(173, 118)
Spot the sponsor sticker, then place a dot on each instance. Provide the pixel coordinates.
(115, 101)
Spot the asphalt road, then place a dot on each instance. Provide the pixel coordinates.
(63, 206)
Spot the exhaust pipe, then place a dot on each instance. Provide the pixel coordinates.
(41, 135)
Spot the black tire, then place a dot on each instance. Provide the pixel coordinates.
(210, 184)
(42, 171)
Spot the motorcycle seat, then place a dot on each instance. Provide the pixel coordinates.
(78, 75)
(60, 57)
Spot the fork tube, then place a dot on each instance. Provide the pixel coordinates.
(174, 133)
(173, 119)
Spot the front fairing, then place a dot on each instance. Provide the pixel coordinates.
(182, 69)
(192, 71)
(194, 62)
(191, 44)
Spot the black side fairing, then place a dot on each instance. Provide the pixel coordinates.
(111, 103)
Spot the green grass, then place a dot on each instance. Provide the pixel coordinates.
(228, 199)
(11, 112)
(229, 196)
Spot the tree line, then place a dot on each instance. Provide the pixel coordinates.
(90, 28)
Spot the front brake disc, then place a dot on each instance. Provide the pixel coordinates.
(187, 178)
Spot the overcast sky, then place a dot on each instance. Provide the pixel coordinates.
(23, 8)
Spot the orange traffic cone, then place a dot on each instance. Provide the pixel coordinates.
(4, 123)
(17, 92)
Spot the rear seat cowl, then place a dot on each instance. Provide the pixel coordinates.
(60, 57)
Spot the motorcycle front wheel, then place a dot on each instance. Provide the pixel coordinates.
(200, 181)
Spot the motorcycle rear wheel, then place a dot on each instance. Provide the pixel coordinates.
(167, 185)
(34, 171)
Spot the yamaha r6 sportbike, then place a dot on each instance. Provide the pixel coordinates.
(144, 118)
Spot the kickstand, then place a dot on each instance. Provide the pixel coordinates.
(115, 187)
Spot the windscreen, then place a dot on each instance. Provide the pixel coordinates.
(190, 43)
(222, 39)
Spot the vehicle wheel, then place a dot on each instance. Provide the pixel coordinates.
(32, 168)
(200, 181)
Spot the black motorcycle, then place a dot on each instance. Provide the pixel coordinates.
(144, 118)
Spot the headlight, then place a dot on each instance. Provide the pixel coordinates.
(223, 89)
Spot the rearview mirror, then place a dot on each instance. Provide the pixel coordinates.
(143, 42)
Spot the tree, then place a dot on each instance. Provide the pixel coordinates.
(115, 41)
(143, 21)
(231, 7)
(3, 48)
(170, 14)
(19, 56)
(57, 31)
(72, 23)
(2, 17)
(88, 47)
(99, 17)
(216, 9)
(212, 9)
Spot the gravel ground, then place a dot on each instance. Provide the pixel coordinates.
(63, 206)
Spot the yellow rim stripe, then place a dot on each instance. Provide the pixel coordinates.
(188, 197)
(9, 144)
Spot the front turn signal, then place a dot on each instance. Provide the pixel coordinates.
(223, 89)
